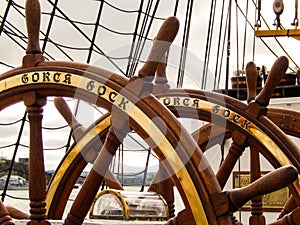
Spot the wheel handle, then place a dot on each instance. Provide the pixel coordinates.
(277, 72)
(161, 44)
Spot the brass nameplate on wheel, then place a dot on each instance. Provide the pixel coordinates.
(272, 202)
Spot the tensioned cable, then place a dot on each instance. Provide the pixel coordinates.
(70, 47)
(252, 27)
(14, 155)
(46, 149)
(5, 15)
(228, 47)
(84, 35)
(208, 43)
(176, 7)
(139, 41)
(90, 50)
(119, 9)
(20, 34)
(102, 26)
(237, 49)
(5, 64)
(11, 36)
(146, 170)
(95, 32)
(219, 44)
(184, 45)
(11, 123)
(55, 128)
(7, 146)
(12, 33)
(46, 41)
(128, 135)
(22, 14)
(223, 48)
(78, 22)
(112, 57)
(14, 197)
(131, 174)
(129, 11)
(142, 43)
(49, 26)
(75, 22)
(276, 39)
(254, 39)
(22, 38)
(237, 41)
(245, 36)
(134, 37)
(296, 20)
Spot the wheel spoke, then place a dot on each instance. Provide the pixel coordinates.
(88, 191)
(37, 180)
(224, 172)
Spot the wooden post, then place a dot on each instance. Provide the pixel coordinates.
(37, 180)
(93, 181)
(257, 216)
(235, 151)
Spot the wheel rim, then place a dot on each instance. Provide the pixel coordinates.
(12, 84)
(282, 161)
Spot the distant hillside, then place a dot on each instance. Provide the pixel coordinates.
(20, 169)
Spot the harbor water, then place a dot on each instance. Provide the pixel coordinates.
(20, 199)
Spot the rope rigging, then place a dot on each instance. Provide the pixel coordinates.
(95, 32)
(184, 45)
(142, 39)
(275, 38)
(146, 14)
(220, 58)
(219, 45)
(49, 26)
(5, 15)
(208, 43)
(135, 35)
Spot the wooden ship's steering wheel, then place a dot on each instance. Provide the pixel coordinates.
(205, 136)
(199, 188)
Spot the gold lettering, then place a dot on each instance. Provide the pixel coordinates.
(56, 77)
(101, 90)
(90, 85)
(123, 103)
(46, 77)
(196, 103)
(176, 101)
(112, 96)
(167, 101)
(216, 109)
(186, 101)
(236, 118)
(67, 79)
(25, 78)
(35, 77)
(226, 113)
(246, 124)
